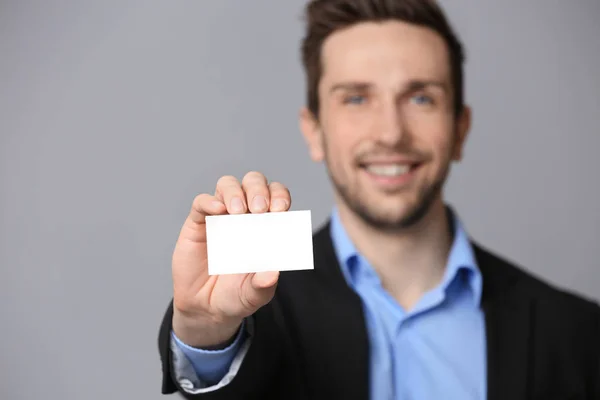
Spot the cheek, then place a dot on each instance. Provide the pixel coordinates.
(343, 134)
(433, 134)
(338, 147)
(444, 152)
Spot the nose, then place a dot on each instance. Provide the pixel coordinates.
(391, 131)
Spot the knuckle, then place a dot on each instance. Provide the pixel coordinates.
(278, 189)
(258, 190)
(228, 185)
(249, 303)
(200, 199)
(183, 304)
(245, 295)
(226, 181)
(254, 177)
(255, 185)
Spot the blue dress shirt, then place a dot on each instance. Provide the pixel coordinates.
(437, 350)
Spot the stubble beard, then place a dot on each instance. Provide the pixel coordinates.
(380, 221)
(353, 199)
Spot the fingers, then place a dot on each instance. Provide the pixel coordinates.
(280, 197)
(253, 194)
(203, 205)
(230, 192)
(257, 192)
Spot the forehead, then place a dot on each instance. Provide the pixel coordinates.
(384, 53)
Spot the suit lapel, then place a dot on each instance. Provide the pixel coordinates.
(508, 329)
(339, 314)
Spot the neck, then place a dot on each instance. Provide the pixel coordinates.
(410, 261)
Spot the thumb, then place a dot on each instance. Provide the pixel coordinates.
(259, 289)
(264, 280)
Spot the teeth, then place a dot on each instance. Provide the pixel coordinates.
(388, 170)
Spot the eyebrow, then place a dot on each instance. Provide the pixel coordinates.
(412, 86)
(350, 86)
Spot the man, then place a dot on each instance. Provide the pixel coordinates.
(402, 304)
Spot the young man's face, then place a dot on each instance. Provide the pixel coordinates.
(387, 129)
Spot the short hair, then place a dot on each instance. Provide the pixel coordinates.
(324, 17)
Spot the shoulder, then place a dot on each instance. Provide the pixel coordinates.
(525, 284)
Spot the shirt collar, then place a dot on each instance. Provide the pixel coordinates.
(460, 258)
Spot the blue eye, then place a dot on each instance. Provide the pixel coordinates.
(422, 99)
(354, 99)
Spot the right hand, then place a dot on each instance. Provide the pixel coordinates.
(208, 310)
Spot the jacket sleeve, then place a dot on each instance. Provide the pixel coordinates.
(268, 370)
(199, 370)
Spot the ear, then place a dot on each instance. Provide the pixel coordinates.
(311, 130)
(463, 126)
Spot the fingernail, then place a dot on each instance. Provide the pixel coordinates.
(236, 205)
(279, 205)
(259, 203)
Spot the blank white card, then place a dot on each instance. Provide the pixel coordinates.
(243, 243)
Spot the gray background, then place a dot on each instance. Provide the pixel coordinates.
(115, 114)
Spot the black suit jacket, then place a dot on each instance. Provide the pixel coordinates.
(310, 341)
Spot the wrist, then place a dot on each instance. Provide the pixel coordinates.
(203, 334)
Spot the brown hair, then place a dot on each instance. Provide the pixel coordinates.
(323, 17)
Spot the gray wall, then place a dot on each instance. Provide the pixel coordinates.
(114, 114)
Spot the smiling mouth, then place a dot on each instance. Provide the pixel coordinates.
(389, 170)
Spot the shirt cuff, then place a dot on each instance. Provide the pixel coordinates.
(200, 371)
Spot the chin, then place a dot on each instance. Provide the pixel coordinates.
(395, 212)
(390, 218)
